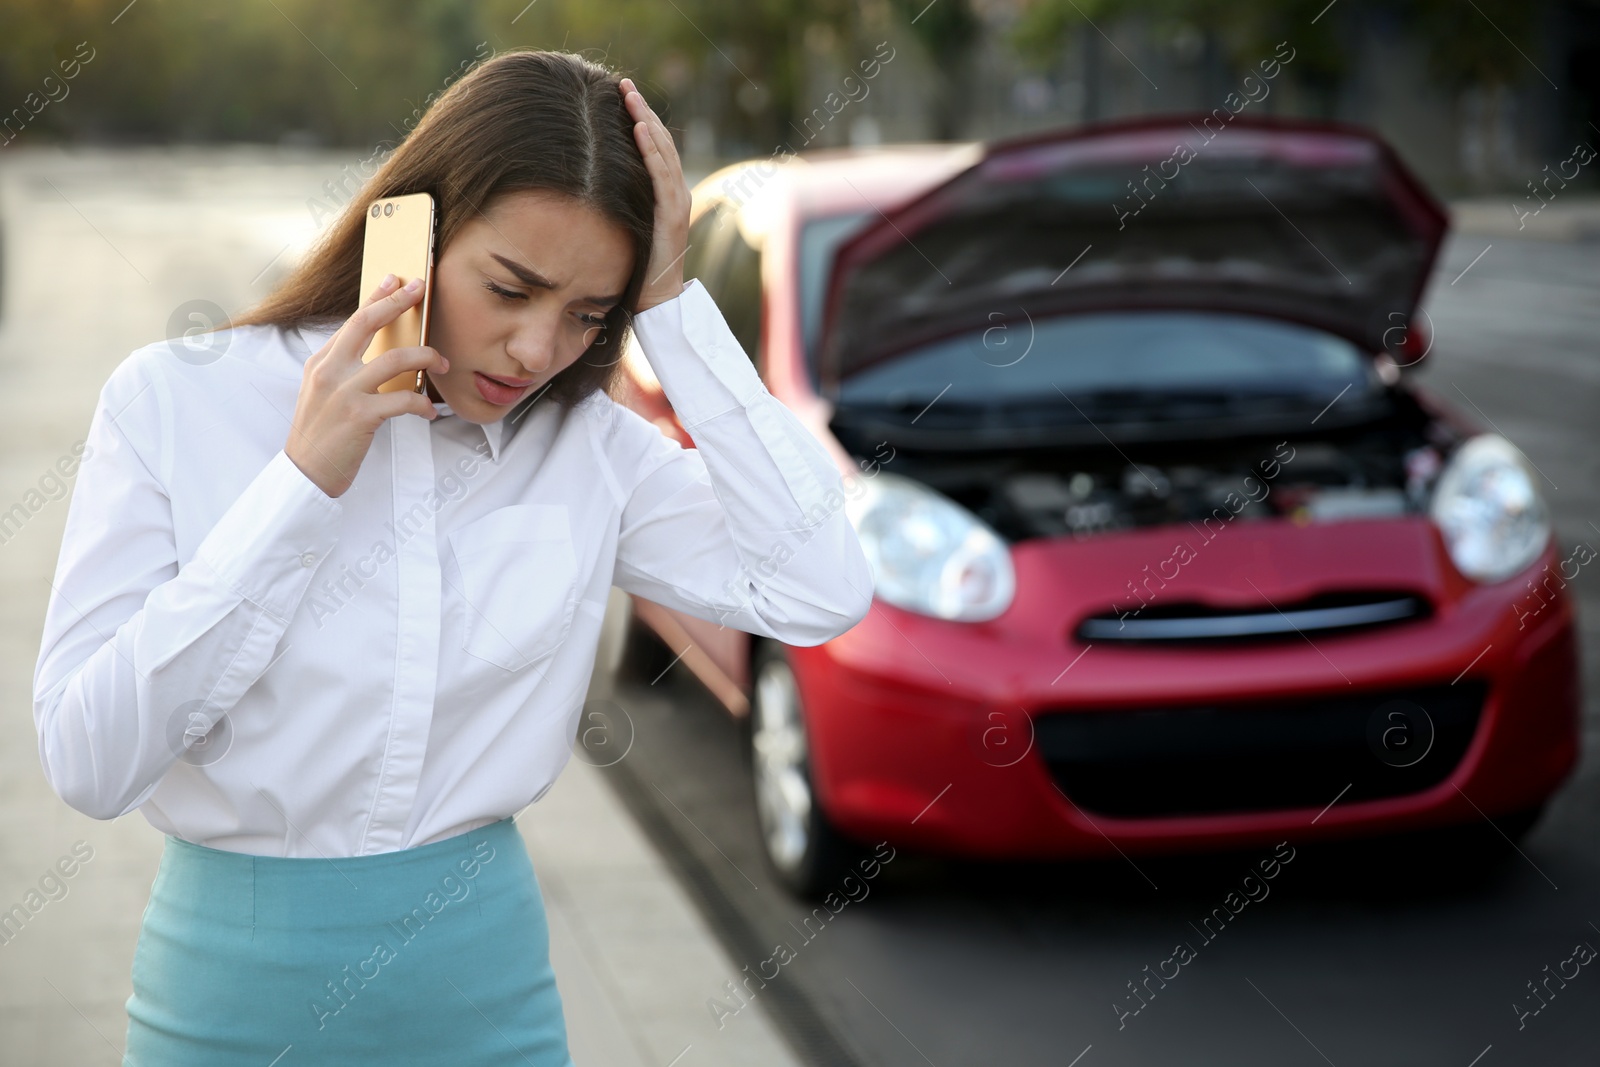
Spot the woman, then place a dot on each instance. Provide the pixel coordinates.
(330, 640)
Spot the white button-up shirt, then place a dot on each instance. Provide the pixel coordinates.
(262, 668)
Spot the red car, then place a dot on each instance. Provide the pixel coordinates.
(1170, 551)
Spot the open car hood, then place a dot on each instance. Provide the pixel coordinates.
(1316, 223)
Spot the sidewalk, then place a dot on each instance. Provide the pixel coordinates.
(634, 960)
(1568, 216)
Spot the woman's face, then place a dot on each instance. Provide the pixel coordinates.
(518, 295)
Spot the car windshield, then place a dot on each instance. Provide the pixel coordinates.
(1098, 357)
(1106, 356)
(819, 240)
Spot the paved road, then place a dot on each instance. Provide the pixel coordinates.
(1358, 956)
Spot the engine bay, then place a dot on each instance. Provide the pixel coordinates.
(1380, 469)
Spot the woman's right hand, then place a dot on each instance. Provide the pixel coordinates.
(340, 408)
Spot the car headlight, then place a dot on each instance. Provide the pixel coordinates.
(929, 554)
(1487, 506)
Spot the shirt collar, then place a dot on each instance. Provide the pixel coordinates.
(493, 432)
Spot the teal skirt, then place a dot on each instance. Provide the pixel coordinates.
(428, 955)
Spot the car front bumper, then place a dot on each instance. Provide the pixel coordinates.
(943, 736)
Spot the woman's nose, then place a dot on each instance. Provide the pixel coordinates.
(533, 345)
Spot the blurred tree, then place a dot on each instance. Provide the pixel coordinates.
(1479, 55)
(348, 74)
(745, 63)
(1475, 51)
(254, 70)
(1235, 35)
(949, 32)
(764, 42)
(1485, 43)
(353, 74)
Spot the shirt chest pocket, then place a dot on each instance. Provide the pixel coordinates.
(519, 578)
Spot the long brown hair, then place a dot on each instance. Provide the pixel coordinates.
(519, 120)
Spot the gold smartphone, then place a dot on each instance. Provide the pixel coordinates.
(399, 241)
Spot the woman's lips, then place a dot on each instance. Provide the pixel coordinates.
(497, 392)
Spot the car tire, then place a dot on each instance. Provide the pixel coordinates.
(802, 847)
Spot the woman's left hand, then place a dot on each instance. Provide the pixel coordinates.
(663, 278)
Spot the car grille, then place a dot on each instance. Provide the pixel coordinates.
(1197, 622)
(1263, 756)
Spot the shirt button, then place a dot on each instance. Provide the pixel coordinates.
(308, 559)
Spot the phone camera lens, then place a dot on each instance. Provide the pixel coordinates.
(388, 209)
(374, 210)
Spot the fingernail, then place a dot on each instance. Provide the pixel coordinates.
(445, 362)
(388, 280)
(413, 285)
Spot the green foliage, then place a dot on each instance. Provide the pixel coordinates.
(946, 28)
(947, 31)
(746, 58)
(194, 69)
(1486, 42)
(358, 73)
(1245, 30)
(1467, 43)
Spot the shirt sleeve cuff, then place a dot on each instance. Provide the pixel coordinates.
(705, 372)
(692, 321)
(268, 543)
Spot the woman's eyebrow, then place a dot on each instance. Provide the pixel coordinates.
(529, 276)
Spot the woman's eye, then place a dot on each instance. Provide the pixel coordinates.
(504, 294)
(593, 320)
